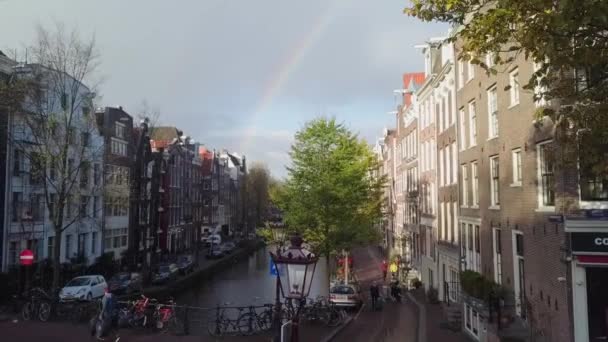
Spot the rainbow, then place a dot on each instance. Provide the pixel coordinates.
(285, 69)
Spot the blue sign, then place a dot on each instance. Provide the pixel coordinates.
(273, 269)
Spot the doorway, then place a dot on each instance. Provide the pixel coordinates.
(597, 303)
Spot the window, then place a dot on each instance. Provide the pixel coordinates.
(52, 201)
(441, 168)
(451, 118)
(442, 230)
(50, 247)
(37, 169)
(494, 182)
(593, 182)
(539, 90)
(497, 248)
(82, 238)
(448, 164)
(17, 162)
(96, 173)
(490, 59)
(475, 184)
(84, 174)
(85, 137)
(119, 130)
(85, 111)
(83, 205)
(514, 86)
(93, 242)
(68, 246)
(516, 160)
(462, 126)
(546, 184)
(470, 71)
(454, 163)
(492, 113)
(119, 147)
(460, 74)
(71, 135)
(472, 124)
(64, 101)
(464, 190)
(95, 206)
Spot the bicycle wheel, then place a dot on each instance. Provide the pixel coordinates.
(27, 310)
(335, 317)
(44, 311)
(265, 320)
(176, 326)
(246, 324)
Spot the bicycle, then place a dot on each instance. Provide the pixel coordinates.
(252, 321)
(222, 324)
(316, 311)
(166, 319)
(38, 305)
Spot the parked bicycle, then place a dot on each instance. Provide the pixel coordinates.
(253, 321)
(165, 317)
(222, 324)
(38, 305)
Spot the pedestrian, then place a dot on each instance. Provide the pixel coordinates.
(396, 291)
(374, 292)
(384, 269)
(106, 320)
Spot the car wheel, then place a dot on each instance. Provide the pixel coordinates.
(89, 296)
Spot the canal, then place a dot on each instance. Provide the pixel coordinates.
(246, 282)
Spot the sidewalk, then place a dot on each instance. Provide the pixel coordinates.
(431, 316)
(396, 322)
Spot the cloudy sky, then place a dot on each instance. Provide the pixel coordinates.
(241, 74)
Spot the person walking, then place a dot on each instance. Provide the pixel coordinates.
(374, 292)
(384, 269)
(106, 321)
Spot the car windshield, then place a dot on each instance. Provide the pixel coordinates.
(342, 290)
(78, 282)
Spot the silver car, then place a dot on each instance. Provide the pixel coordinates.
(345, 295)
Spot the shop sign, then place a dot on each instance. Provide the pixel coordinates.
(589, 242)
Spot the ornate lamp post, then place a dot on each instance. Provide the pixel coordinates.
(296, 268)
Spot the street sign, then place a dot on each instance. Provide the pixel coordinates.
(26, 257)
(556, 218)
(273, 269)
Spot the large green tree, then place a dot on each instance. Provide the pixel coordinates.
(330, 196)
(566, 38)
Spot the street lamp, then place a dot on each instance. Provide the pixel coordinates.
(295, 268)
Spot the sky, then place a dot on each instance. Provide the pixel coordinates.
(239, 74)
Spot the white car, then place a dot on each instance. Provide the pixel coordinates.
(85, 287)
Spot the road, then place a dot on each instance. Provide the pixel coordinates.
(396, 322)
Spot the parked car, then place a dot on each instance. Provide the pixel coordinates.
(125, 282)
(227, 247)
(214, 239)
(345, 295)
(185, 263)
(84, 287)
(166, 273)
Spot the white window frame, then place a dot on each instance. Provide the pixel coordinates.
(470, 71)
(514, 90)
(464, 186)
(517, 167)
(539, 89)
(462, 133)
(489, 59)
(475, 184)
(448, 228)
(441, 167)
(455, 223)
(454, 163)
(494, 182)
(460, 74)
(539, 166)
(442, 223)
(472, 123)
(492, 96)
(497, 255)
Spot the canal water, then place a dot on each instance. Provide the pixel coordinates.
(246, 282)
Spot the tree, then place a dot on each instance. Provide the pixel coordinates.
(257, 187)
(330, 196)
(566, 39)
(55, 136)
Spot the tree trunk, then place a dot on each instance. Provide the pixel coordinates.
(57, 258)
